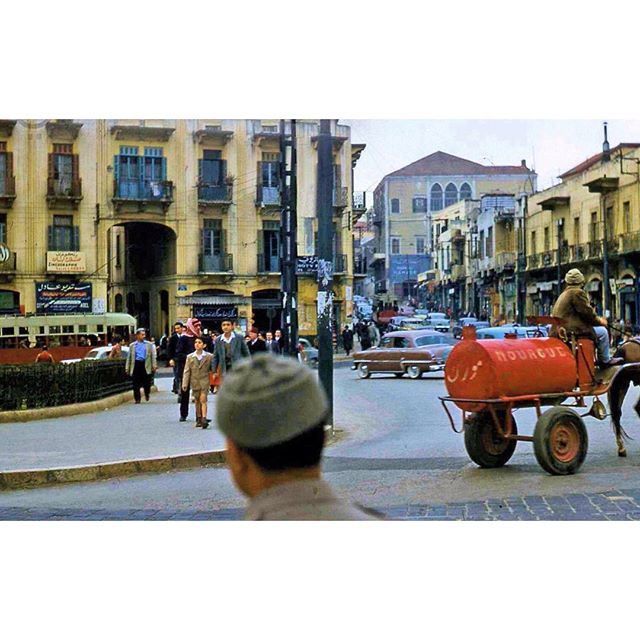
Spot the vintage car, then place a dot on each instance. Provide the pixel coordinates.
(498, 333)
(405, 352)
(467, 322)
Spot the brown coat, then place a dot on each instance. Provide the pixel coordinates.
(196, 372)
(574, 308)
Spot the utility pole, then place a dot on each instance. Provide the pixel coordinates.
(288, 237)
(325, 261)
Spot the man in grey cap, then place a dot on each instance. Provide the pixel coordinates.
(573, 307)
(272, 412)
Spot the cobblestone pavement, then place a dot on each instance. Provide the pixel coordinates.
(611, 505)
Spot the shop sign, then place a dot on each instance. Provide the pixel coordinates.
(307, 266)
(215, 312)
(66, 262)
(63, 297)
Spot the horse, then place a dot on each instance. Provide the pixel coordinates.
(630, 351)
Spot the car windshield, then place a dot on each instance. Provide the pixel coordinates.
(425, 341)
(93, 354)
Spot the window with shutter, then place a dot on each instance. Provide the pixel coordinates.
(3, 227)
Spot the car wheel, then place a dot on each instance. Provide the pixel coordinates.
(363, 371)
(414, 372)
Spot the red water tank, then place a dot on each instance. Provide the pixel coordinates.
(492, 369)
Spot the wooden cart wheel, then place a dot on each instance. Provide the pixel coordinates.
(485, 446)
(560, 441)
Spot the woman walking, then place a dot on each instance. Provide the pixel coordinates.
(196, 374)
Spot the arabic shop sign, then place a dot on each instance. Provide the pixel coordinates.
(63, 297)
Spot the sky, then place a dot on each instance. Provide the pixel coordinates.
(549, 146)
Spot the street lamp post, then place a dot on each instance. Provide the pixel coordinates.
(560, 236)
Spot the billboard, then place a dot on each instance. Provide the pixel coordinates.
(404, 268)
(63, 297)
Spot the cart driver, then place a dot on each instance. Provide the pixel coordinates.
(573, 307)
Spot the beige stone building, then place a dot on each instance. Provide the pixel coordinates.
(163, 219)
(592, 211)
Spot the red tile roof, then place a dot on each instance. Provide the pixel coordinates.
(589, 162)
(445, 164)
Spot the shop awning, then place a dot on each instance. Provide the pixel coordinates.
(212, 300)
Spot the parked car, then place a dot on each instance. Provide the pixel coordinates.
(468, 322)
(522, 332)
(307, 353)
(99, 353)
(405, 352)
(439, 322)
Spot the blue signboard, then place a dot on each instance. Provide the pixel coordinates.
(405, 268)
(59, 297)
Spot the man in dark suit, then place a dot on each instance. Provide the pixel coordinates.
(256, 343)
(271, 344)
(172, 343)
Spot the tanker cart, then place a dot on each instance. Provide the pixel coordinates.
(487, 380)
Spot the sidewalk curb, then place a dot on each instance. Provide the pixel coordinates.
(26, 479)
(66, 410)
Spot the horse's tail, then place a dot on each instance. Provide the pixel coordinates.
(616, 395)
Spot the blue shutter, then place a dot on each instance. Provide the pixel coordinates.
(116, 175)
(200, 162)
(223, 171)
(76, 239)
(164, 168)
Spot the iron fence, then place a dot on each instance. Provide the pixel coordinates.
(33, 386)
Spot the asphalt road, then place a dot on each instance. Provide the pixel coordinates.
(394, 451)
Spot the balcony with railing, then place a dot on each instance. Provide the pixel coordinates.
(534, 261)
(504, 214)
(8, 267)
(340, 197)
(62, 191)
(359, 266)
(268, 263)
(631, 242)
(221, 263)
(340, 263)
(143, 192)
(7, 180)
(210, 194)
(506, 261)
(594, 249)
(268, 196)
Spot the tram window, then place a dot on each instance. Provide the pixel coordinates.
(8, 331)
(100, 328)
(23, 331)
(67, 328)
(82, 328)
(41, 331)
(54, 329)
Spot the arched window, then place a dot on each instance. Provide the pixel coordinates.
(465, 192)
(436, 197)
(118, 303)
(450, 194)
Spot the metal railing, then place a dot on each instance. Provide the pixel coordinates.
(31, 386)
(631, 242)
(340, 263)
(506, 260)
(579, 252)
(268, 264)
(268, 196)
(594, 248)
(215, 264)
(340, 196)
(62, 188)
(9, 266)
(215, 192)
(143, 190)
(359, 266)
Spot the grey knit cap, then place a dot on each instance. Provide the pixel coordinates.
(267, 400)
(574, 276)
